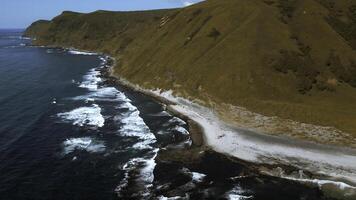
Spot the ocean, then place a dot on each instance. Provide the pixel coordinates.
(67, 132)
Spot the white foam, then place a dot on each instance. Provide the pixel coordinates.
(87, 100)
(198, 177)
(12, 47)
(177, 120)
(181, 130)
(91, 80)
(172, 198)
(127, 105)
(321, 183)
(102, 94)
(13, 37)
(134, 126)
(103, 59)
(49, 51)
(90, 116)
(237, 194)
(85, 53)
(161, 114)
(85, 144)
(25, 38)
(145, 177)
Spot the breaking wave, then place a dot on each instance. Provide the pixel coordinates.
(91, 80)
(85, 143)
(85, 53)
(237, 194)
(90, 116)
(140, 171)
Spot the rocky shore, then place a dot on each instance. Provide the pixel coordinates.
(200, 149)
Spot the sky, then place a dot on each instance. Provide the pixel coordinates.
(21, 13)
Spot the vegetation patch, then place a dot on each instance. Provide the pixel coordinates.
(287, 8)
(214, 33)
(301, 66)
(197, 30)
(346, 28)
(343, 73)
(195, 14)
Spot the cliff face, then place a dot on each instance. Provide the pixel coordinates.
(294, 59)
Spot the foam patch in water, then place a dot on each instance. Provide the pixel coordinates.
(177, 120)
(198, 177)
(172, 198)
(134, 126)
(321, 183)
(84, 143)
(127, 106)
(91, 80)
(143, 179)
(181, 130)
(90, 116)
(237, 194)
(25, 38)
(102, 94)
(161, 114)
(85, 53)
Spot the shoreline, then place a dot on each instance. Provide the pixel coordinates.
(284, 171)
(200, 137)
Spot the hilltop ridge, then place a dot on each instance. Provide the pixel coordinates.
(290, 59)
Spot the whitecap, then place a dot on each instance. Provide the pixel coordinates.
(85, 143)
(90, 116)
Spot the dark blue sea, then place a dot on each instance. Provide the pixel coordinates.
(67, 132)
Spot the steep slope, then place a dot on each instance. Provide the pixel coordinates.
(294, 59)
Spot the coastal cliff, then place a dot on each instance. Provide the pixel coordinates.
(277, 66)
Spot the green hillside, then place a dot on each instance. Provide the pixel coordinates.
(294, 59)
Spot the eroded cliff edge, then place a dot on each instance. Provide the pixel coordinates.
(277, 66)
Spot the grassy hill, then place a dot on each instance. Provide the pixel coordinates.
(294, 59)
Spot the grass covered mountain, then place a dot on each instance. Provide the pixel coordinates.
(293, 59)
